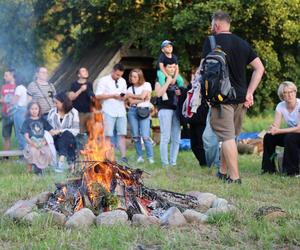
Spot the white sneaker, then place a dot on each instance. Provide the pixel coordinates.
(151, 161)
(140, 159)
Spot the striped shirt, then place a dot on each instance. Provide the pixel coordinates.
(43, 94)
(69, 122)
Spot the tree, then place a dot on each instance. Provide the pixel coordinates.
(18, 44)
(271, 27)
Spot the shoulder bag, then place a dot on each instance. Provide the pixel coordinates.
(142, 112)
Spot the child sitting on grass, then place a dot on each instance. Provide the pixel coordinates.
(165, 58)
(37, 152)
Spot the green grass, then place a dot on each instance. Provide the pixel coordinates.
(237, 230)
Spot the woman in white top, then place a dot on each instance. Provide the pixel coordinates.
(65, 122)
(289, 138)
(139, 95)
(19, 111)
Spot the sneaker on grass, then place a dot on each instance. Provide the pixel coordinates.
(151, 161)
(140, 159)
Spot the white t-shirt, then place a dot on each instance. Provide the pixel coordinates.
(139, 90)
(292, 118)
(21, 92)
(107, 85)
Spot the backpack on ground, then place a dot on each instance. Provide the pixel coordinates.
(215, 84)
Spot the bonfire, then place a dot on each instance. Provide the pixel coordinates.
(102, 184)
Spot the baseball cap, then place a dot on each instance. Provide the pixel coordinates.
(165, 43)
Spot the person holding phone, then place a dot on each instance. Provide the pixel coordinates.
(111, 91)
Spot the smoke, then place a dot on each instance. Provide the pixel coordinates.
(17, 38)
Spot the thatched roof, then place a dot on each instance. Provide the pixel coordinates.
(95, 59)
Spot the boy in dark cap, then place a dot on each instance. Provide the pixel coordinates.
(167, 57)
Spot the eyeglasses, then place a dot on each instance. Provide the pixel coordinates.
(116, 84)
(289, 92)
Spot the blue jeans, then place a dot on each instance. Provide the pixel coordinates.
(211, 144)
(169, 131)
(140, 128)
(19, 118)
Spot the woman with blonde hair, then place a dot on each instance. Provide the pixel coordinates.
(289, 138)
(139, 95)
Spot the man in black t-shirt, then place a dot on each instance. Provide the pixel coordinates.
(81, 94)
(239, 54)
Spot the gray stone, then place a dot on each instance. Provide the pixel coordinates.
(223, 209)
(205, 200)
(172, 217)
(31, 217)
(194, 216)
(42, 197)
(84, 218)
(112, 218)
(144, 220)
(20, 209)
(219, 202)
(57, 218)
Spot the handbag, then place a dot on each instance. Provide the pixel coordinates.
(141, 112)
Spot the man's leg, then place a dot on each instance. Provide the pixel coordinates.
(165, 122)
(197, 142)
(175, 138)
(211, 145)
(7, 124)
(122, 145)
(19, 118)
(121, 126)
(7, 144)
(223, 125)
(230, 154)
(109, 127)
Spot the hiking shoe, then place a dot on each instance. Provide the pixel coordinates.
(221, 176)
(151, 161)
(60, 167)
(124, 159)
(237, 181)
(140, 159)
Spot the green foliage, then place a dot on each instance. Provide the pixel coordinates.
(19, 47)
(31, 30)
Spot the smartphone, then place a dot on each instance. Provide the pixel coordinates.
(122, 94)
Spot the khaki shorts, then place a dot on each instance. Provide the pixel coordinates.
(83, 118)
(229, 125)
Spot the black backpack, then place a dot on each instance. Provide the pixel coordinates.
(215, 84)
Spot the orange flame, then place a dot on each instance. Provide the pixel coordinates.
(97, 149)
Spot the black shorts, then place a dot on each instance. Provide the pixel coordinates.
(7, 125)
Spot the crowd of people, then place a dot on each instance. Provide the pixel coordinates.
(48, 124)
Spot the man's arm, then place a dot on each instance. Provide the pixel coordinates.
(74, 94)
(108, 96)
(258, 71)
(161, 90)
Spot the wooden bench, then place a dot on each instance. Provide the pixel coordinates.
(11, 153)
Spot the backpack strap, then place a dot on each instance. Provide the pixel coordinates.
(212, 41)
